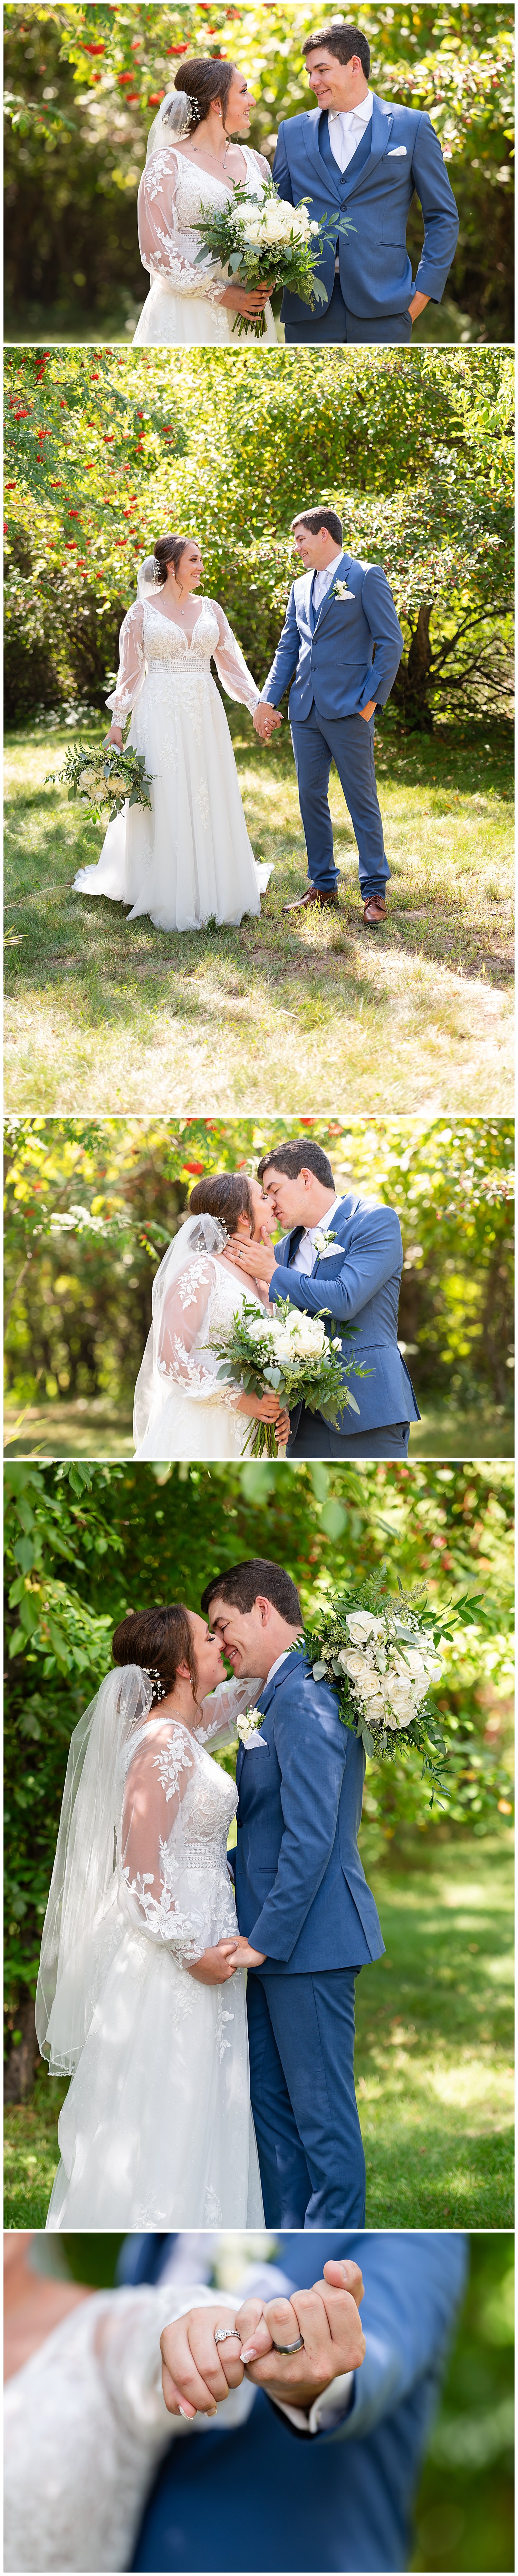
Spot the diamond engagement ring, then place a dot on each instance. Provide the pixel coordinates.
(290, 2347)
(221, 2333)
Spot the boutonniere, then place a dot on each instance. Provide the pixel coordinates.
(339, 590)
(248, 1726)
(324, 1239)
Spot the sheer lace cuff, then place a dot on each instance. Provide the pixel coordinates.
(86, 2427)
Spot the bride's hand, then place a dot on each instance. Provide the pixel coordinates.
(251, 300)
(242, 1954)
(114, 736)
(262, 1408)
(197, 2373)
(214, 1966)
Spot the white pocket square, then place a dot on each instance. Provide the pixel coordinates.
(254, 1744)
(397, 152)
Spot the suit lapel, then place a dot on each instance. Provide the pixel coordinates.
(334, 176)
(342, 567)
(380, 139)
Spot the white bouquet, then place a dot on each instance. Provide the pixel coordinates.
(382, 1656)
(263, 241)
(292, 1353)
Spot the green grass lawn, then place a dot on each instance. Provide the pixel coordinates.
(434, 2042)
(105, 1014)
(433, 2054)
(96, 1429)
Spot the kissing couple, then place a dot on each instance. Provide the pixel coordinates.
(340, 1258)
(209, 2034)
(356, 161)
(186, 859)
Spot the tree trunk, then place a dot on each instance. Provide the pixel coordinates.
(413, 678)
(22, 2062)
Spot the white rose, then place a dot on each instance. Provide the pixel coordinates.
(89, 780)
(314, 228)
(403, 1706)
(368, 1684)
(259, 1329)
(118, 785)
(351, 1663)
(361, 1625)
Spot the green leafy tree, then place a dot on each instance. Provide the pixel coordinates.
(85, 1545)
(99, 458)
(91, 1204)
(84, 83)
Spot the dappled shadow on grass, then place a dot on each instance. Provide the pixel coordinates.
(59, 936)
(32, 2153)
(434, 2042)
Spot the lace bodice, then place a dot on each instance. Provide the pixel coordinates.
(196, 1313)
(173, 192)
(175, 1806)
(154, 645)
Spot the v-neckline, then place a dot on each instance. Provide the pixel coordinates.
(172, 621)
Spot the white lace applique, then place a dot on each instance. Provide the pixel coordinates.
(212, 2210)
(171, 195)
(221, 2018)
(171, 1761)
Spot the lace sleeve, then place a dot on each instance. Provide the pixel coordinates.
(153, 1863)
(184, 1352)
(131, 672)
(231, 666)
(260, 163)
(222, 1708)
(160, 235)
(86, 2427)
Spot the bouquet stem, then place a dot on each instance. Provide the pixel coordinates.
(261, 1440)
(256, 325)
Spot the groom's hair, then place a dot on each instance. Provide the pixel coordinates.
(299, 1156)
(240, 1585)
(343, 41)
(315, 519)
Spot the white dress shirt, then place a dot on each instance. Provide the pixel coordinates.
(347, 126)
(323, 582)
(305, 1257)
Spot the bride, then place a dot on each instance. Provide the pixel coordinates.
(192, 166)
(156, 2130)
(180, 1410)
(189, 860)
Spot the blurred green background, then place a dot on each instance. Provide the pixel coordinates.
(82, 89)
(434, 2017)
(464, 2509)
(91, 1205)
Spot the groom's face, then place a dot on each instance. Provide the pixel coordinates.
(289, 1199)
(239, 1633)
(336, 85)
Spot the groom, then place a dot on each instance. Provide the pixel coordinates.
(307, 1919)
(355, 1276)
(340, 648)
(356, 155)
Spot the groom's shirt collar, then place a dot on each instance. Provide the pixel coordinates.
(324, 579)
(346, 127)
(275, 1668)
(304, 1257)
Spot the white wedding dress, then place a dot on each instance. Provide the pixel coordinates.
(188, 860)
(180, 1410)
(184, 301)
(156, 2130)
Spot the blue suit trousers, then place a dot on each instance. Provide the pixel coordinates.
(301, 2041)
(338, 324)
(314, 1438)
(349, 741)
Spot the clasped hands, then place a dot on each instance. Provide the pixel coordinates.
(197, 2374)
(265, 718)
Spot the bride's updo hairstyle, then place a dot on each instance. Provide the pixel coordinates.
(204, 82)
(168, 550)
(157, 1640)
(225, 1195)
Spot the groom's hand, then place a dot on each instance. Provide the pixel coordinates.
(327, 2318)
(366, 712)
(258, 1260)
(265, 718)
(244, 1957)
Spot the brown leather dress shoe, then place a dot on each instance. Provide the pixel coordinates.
(311, 896)
(374, 911)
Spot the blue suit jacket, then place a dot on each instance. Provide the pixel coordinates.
(347, 654)
(270, 2498)
(301, 1894)
(360, 1284)
(376, 191)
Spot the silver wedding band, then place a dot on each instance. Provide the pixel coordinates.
(222, 2333)
(289, 2347)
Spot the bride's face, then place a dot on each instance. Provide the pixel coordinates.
(239, 104)
(190, 569)
(208, 1656)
